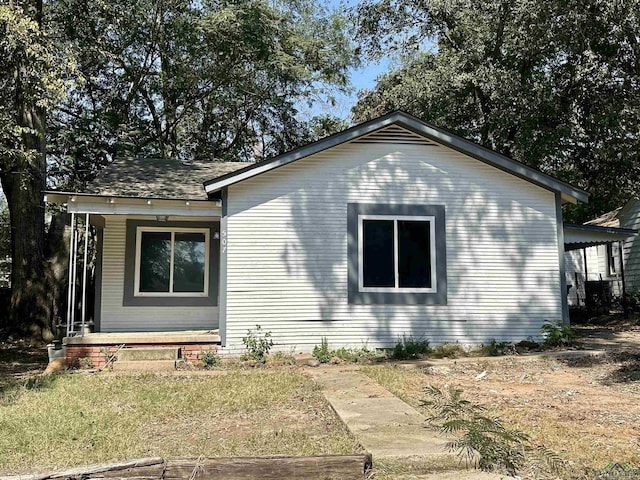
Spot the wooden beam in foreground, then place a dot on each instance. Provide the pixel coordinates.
(322, 467)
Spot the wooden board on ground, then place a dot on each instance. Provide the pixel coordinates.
(327, 467)
(322, 467)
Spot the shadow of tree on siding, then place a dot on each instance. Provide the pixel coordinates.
(505, 291)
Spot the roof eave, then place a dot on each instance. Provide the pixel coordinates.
(54, 196)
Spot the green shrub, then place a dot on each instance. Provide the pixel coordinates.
(482, 439)
(448, 350)
(258, 344)
(210, 359)
(408, 348)
(557, 335)
(353, 355)
(322, 352)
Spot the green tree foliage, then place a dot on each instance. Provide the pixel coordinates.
(33, 67)
(553, 84)
(83, 82)
(205, 79)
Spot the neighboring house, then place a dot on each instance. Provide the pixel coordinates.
(392, 227)
(615, 263)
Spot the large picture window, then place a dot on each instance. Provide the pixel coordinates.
(172, 262)
(397, 254)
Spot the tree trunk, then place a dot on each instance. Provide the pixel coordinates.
(23, 185)
(56, 269)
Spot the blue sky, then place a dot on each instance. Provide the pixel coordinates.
(363, 78)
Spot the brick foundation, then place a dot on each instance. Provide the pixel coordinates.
(96, 355)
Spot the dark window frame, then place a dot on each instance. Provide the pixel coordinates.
(173, 233)
(436, 295)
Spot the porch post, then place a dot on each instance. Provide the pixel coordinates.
(70, 274)
(73, 281)
(84, 272)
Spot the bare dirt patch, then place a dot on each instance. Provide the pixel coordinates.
(586, 409)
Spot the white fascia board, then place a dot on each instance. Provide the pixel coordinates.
(104, 205)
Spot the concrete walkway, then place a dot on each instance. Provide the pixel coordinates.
(387, 427)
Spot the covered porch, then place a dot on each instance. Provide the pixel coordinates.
(155, 264)
(594, 264)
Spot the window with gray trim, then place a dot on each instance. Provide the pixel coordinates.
(171, 263)
(397, 254)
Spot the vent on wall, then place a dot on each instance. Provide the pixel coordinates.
(394, 134)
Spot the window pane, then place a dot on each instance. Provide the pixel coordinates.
(377, 253)
(414, 262)
(155, 260)
(188, 262)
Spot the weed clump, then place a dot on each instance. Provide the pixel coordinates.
(558, 335)
(258, 344)
(484, 440)
(409, 348)
(211, 360)
(324, 354)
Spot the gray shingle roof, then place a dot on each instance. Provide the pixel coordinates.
(159, 178)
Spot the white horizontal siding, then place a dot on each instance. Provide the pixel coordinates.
(287, 249)
(117, 318)
(631, 219)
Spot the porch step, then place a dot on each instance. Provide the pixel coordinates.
(138, 354)
(144, 365)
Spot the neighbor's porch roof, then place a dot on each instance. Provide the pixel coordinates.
(583, 236)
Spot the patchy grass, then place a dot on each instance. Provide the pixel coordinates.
(587, 411)
(79, 419)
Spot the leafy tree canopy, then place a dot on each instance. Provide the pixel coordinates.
(554, 84)
(208, 79)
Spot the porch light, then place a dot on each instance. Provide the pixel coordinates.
(111, 200)
(148, 202)
(187, 203)
(73, 198)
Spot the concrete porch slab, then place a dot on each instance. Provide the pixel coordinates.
(145, 338)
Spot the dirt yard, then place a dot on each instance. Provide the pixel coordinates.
(587, 409)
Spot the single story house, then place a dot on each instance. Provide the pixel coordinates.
(611, 263)
(392, 227)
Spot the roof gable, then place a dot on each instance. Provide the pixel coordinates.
(404, 128)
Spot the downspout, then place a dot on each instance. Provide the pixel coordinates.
(563, 280)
